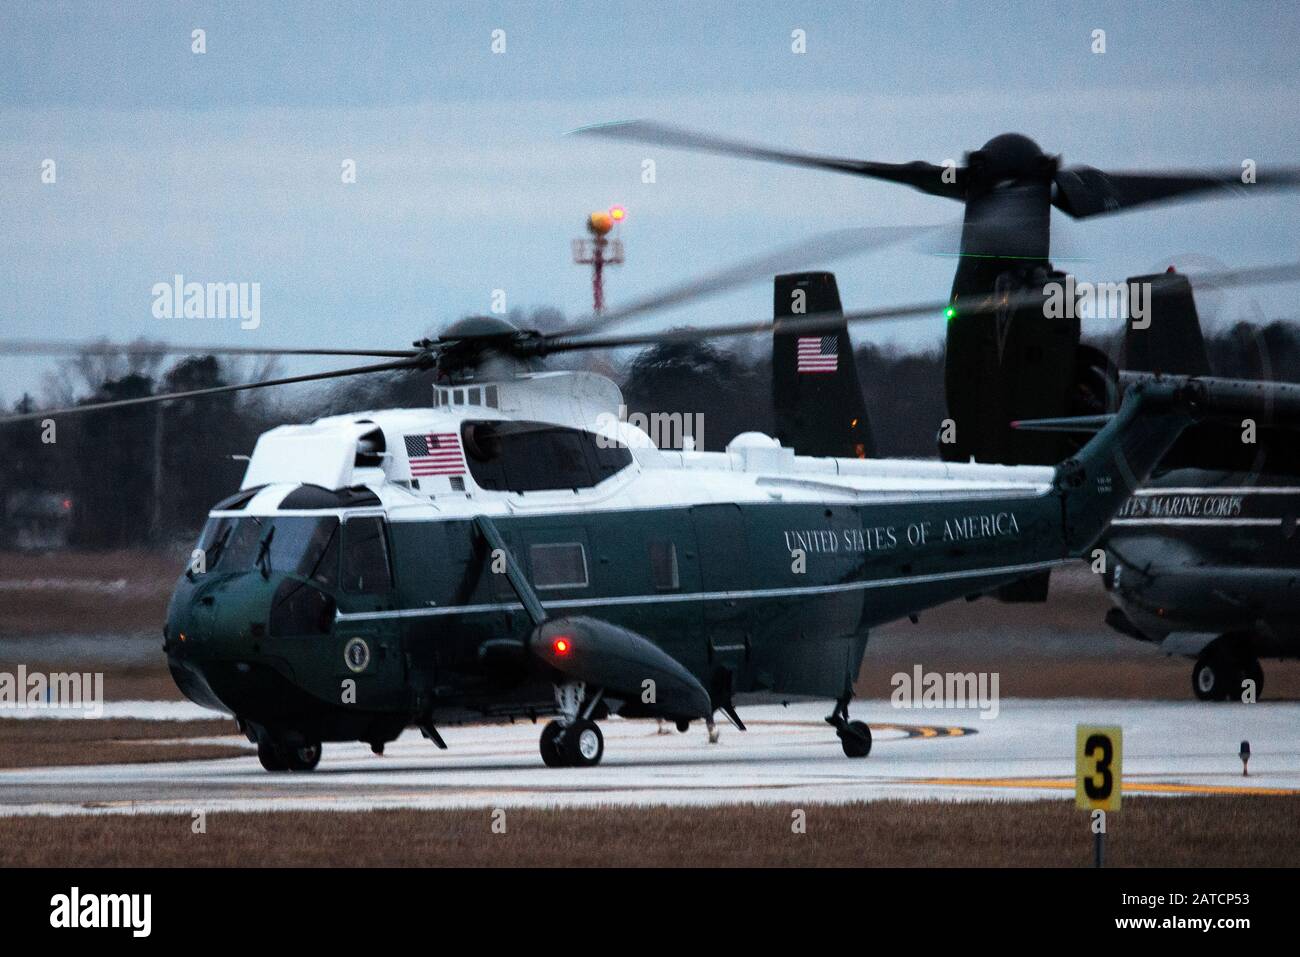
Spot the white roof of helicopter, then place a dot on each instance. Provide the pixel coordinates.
(754, 467)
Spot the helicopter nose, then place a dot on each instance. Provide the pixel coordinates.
(191, 631)
(179, 635)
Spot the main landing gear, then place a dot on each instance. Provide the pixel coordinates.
(855, 736)
(1222, 673)
(281, 757)
(573, 740)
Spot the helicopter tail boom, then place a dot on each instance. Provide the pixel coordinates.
(1096, 482)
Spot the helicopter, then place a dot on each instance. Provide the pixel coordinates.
(1201, 561)
(514, 551)
(1008, 188)
(1002, 361)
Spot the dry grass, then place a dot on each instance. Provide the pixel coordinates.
(64, 597)
(1167, 832)
(40, 742)
(136, 682)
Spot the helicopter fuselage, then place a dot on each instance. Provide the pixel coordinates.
(395, 568)
(757, 570)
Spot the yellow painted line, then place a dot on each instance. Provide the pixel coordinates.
(925, 730)
(1067, 784)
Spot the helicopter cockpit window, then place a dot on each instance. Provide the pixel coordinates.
(365, 556)
(297, 545)
(307, 547)
(537, 456)
(211, 529)
(238, 551)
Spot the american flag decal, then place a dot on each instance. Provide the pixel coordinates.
(818, 353)
(437, 453)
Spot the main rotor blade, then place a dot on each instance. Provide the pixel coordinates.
(816, 250)
(1255, 276)
(55, 347)
(213, 390)
(1083, 191)
(926, 177)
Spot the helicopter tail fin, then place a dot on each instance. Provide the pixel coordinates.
(1168, 337)
(816, 395)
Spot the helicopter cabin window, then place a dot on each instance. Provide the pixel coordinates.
(538, 456)
(663, 566)
(559, 566)
(365, 556)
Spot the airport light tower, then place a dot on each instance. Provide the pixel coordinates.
(599, 251)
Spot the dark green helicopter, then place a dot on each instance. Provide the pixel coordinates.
(514, 550)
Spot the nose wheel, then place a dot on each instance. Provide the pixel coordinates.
(576, 745)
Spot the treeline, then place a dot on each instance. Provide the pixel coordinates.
(137, 475)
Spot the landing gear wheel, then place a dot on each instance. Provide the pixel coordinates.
(1216, 677)
(1206, 680)
(549, 745)
(855, 739)
(583, 744)
(272, 758)
(303, 759)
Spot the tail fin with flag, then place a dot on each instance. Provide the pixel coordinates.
(816, 395)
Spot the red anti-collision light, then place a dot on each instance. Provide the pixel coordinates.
(561, 646)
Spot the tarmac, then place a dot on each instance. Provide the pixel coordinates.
(788, 755)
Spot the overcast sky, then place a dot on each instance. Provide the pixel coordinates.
(225, 166)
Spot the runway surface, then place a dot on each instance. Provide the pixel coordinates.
(788, 755)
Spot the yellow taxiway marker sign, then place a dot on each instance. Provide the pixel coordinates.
(1098, 764)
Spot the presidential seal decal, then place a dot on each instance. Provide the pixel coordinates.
(356, 654)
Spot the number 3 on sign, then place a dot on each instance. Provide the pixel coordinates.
(1098, 758)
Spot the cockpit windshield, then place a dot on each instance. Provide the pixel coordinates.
(298, 545)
